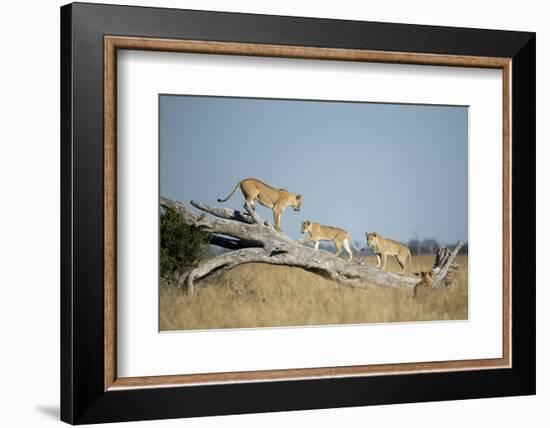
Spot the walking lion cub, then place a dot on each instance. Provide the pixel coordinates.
(276, 199)
(383, 248)
(318, 232)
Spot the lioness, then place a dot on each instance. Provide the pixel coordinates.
(276, 199)
(318, 232)
(427, 281)
(383, 248)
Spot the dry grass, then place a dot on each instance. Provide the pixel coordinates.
(261, 295)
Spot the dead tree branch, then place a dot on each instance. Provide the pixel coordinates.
(256, 241)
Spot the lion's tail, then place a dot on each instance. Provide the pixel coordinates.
(231, 194)
(353, 243)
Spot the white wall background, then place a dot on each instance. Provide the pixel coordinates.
(29, 219)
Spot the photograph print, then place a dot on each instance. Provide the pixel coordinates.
(288, 212)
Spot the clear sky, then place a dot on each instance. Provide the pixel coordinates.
(400, 170)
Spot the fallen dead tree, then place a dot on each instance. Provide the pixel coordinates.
(253, 240)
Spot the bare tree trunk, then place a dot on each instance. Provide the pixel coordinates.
(256, 241)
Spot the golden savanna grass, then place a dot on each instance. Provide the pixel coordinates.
(262, 295)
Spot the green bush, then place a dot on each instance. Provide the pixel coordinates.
(180, 244)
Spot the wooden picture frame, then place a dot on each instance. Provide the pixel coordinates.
(91, 391)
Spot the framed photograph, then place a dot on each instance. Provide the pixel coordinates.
(265, 213)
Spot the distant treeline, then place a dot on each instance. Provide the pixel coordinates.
(417, 247)
(430, 246)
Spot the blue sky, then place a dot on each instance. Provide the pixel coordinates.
(400, 170)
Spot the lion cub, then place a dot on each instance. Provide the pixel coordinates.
(318, 232)
(383, 248)
(276, 199)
